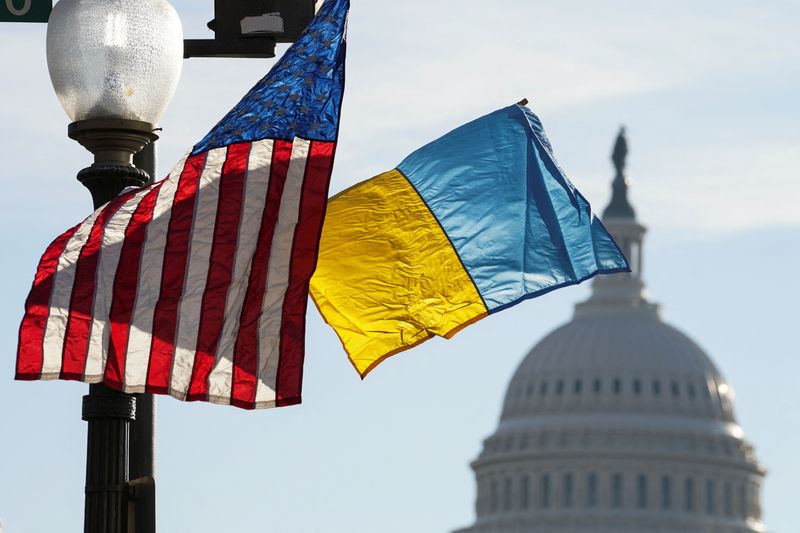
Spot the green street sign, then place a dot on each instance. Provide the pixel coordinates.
(25, 10)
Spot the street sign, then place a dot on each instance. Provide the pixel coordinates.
(25, 10)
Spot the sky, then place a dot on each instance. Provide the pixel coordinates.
(708, 93)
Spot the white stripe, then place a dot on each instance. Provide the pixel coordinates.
(148, 287)
(64, 278)
(278, 275)
(202, 238)
(254, 199)
(113, 239)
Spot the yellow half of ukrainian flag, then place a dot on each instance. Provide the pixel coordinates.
(387, 277)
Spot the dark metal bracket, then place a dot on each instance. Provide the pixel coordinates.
(254, 47)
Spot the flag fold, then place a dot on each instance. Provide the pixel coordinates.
(464, 227)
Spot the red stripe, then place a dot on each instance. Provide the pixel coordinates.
(30, 350)
(125, 283)
(245, 367)
(165, 315)
(220, 268)
(313, 201)
(79, 323)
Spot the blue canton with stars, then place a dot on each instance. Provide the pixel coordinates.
(301, 96)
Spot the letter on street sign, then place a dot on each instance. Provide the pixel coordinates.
(25, 10)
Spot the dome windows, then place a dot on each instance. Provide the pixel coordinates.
(616, 491)
(641, 491)
(507, 494)
(525, 492)
(727, 499)
(544, 492)
(563, 392)
(688, 495)
(709, 497)
(666, 493)
(567, 490)
(493, 499)
(537, 491)
(743, 501)
(656, 388)
(591, 490)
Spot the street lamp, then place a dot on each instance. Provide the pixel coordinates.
(114, 65)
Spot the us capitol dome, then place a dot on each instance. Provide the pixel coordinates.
(618, 422)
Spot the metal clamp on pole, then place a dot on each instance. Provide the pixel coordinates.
(142, 517)
(108, 404)
(141, 505)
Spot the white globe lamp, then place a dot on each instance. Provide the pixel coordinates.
(114, 65)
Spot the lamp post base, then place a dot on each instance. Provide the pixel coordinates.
(109, 414)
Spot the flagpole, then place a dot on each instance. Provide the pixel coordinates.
(142, 438)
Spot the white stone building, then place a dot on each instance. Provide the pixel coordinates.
(618, 422)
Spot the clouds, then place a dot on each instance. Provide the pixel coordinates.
(687, 80)
(731, 187)
(678, 75)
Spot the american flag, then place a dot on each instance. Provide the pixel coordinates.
(196, 286)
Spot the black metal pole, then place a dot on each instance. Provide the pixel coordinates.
(108, 413)
(111, 499)
(143, 441)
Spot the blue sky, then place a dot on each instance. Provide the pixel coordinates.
(709, 96)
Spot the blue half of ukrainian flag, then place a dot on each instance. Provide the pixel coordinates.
(467, 225)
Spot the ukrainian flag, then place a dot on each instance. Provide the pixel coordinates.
(466, 226)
